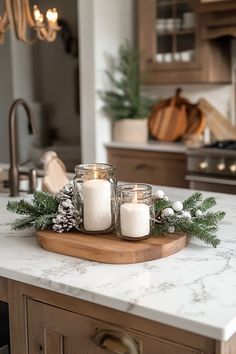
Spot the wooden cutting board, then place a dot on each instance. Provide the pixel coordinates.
(168, 122)
(109, 248)
(220, 126)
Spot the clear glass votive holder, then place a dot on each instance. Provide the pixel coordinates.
(134, 211)
(94, 198)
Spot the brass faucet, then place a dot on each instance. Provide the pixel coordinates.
(14, 168)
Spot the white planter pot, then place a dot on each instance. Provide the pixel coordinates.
(131, 130)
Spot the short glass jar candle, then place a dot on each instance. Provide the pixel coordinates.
(94, 198)
(135, 211)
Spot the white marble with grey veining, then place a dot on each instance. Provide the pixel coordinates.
(193, 290)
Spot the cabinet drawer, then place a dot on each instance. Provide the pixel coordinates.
(168, 169)
(56, 331)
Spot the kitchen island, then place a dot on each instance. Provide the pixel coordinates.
(184, 304)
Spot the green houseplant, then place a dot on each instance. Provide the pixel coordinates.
(124, 103)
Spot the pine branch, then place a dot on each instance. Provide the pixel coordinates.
(43, 222)
(160, 205)
(207, 204)
(45, 203)
(190, 203)
(22, 208)
(23, 223)
(211, 218)
(160, 229)
(40, 213)
(204, 227)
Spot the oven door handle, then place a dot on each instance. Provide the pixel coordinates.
(228, 182)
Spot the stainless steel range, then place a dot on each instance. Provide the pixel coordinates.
(213, 167)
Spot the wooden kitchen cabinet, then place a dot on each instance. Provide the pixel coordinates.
(57, 331)
(174, 48)
(160, 168)
(45, 322)
(218, 19)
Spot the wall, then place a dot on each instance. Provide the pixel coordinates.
(56, 76)
(6, 94)
(42, 72)
(104, 25)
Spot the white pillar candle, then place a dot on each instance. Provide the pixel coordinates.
(97, 204)
(134, 219)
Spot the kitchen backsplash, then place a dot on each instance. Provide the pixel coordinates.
(222, 97)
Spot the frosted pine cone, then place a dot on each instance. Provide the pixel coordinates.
(65, 219)
(65, 193)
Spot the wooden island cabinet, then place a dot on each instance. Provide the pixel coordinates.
(154, 167)
(42, 321)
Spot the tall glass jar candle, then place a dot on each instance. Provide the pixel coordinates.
(135, 211)
(94, 197)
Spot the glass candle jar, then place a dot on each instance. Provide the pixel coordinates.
(94, 198)
(135, 211)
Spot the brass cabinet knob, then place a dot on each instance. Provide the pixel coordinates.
(203, 165)
(233, 168)
(116, 342)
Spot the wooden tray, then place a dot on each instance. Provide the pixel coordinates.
(110, 249)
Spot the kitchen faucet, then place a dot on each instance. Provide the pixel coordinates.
(14, 168)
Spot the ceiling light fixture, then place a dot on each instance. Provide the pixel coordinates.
(17, 15)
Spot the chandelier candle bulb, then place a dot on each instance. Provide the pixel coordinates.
(135, 209)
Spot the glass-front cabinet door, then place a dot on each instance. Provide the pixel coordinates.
(175, 27)
(173, 47)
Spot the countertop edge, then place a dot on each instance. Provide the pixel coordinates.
(215, 333)
(150, 146)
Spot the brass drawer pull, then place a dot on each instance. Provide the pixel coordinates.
(116, 342)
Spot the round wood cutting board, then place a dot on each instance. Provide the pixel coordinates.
(109, 248)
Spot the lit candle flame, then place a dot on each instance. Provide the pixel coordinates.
(95, 172)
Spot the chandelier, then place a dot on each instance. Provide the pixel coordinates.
(17, 15)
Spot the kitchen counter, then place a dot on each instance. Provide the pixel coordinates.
(192, 290)
(151, 145)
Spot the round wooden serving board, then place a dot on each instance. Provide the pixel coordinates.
(109, 248)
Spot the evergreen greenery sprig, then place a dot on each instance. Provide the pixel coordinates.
(192, 217)
(125, 100)
(39, 214)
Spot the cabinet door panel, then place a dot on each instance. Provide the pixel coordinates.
(56, 331)
(168, 169)
(53, 342)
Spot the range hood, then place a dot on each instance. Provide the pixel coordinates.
(218, 18)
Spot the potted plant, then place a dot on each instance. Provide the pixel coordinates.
(124, 104)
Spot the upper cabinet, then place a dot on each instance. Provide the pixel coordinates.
(173, 47)
(218, 18)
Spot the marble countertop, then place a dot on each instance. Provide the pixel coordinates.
(194, 289)
(151, 145)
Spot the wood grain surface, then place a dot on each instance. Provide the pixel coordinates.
(109, 248)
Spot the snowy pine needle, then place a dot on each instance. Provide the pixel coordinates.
(196, 219)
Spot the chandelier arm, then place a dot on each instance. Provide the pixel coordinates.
(29, 16)
(4, 23)
(18, 15)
